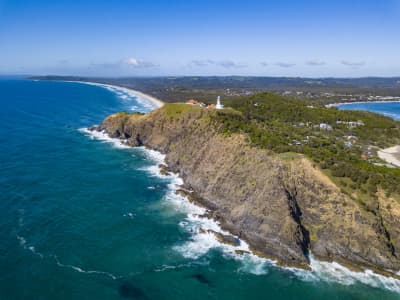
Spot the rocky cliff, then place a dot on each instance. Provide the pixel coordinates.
(282, 205)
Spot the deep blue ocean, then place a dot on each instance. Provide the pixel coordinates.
(82, 217)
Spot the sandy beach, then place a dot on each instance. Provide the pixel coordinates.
(156, 103)
(391, 155)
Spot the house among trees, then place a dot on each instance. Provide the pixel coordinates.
(351, 124)
(195, 102)
(325, 126)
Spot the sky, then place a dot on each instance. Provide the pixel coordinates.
(311, 38)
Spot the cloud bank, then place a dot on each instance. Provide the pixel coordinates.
(136, 63)
(315, 63)
(227, 64)
(352, 63)
(285, 64)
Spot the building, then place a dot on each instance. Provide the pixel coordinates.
(351, 124)
(192, 102)
(324, 126)
(195, 102)
(348, 144)
(219, 104)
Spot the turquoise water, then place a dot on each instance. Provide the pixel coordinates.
(390, 109)
(84, 218)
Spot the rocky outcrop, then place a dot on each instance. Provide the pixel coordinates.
(283, 206)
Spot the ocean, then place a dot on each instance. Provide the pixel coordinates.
(389, 109)
(84, 217)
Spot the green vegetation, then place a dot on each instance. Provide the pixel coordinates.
(175, 110)
(345, 151)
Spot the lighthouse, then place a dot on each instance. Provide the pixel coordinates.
(219, 104)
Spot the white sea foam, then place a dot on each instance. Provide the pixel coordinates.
(80, 270)
(185, 265)
(152, 155)
(134, 108)
(24, 244)
(104, 137)
(129, 215)
(253, 264)
(178, 202)
(22, 241)
(154, 171)
(202, 241)
(334, 272)
(147, 102)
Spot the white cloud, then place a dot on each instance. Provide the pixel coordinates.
(352, 63)
(132, 61)
(136, 63)
(202, 62)
(220, 63)
(315, 63)
(285, 64)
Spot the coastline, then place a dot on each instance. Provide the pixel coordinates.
(391, 155)
(331, 105)
(204, 229)
(204, 238)
(155, 102)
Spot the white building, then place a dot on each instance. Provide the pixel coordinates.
(219, 104)
(324, 126)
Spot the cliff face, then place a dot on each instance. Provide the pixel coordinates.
(282, 205)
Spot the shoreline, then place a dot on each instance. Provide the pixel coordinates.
(391, 155)
(331, 105)
(156, 103)
(320, 269)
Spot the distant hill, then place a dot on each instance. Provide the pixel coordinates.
(179, 89)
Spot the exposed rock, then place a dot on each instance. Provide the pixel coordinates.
(283, 208)
(242, 252)
(164, 170)
(93, 128)
(225, 239)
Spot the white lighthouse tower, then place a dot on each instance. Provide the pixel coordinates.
(219, 104)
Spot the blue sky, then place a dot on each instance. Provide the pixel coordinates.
(264, 38)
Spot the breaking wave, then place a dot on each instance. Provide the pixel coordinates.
(128, 95)
(202, 240)
(23, 243)
(104, 137)
(80, 270)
